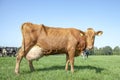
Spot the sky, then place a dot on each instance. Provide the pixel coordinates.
(101, 15)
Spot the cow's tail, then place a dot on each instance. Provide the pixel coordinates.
(23, 35)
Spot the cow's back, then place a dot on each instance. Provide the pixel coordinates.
(58, 38)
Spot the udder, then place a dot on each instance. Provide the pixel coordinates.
(35, 53)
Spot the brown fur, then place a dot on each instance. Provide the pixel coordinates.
(53, 41)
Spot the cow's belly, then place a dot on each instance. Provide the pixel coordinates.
(35, 53)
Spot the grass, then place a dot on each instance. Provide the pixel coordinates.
(52, 68)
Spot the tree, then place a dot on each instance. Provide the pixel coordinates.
(96, 51)
(107, 50)
(116, 50)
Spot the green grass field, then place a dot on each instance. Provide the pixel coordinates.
(52, 68)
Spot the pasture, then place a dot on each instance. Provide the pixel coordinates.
(52, 68)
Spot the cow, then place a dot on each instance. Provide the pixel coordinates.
(85, 54)
(41, 40)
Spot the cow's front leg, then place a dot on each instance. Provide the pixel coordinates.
(31, 65)
(71, 58)
(72, 63)
(67, 62)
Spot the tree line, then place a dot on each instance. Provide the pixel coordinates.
(107, 50)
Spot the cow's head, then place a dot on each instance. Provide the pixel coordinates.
(90, 37)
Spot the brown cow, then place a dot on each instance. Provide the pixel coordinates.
(40, 40)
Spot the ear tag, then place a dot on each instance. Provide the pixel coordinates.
(81, 34)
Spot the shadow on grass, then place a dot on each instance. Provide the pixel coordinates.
(76, 68)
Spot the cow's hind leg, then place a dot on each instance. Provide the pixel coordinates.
(31, 65)
(18, 60)
(20, 55)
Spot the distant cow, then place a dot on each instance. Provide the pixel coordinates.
(1, 54)
(40, 40)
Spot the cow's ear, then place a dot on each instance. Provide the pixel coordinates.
(99, 33)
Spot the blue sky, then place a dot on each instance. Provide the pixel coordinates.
(99, 14)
